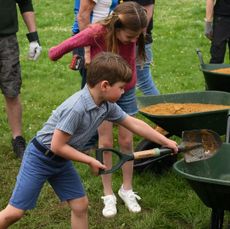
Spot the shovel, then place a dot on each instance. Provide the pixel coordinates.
(196, 144)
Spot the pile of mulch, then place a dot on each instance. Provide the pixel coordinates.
(181, 108)
(222, 70)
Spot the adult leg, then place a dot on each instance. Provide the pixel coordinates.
(10, 215)
(220, 36)
(10, 85)
(79, 213)
(14, 114)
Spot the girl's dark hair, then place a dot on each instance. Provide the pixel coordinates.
(108, 66)
(128, 15)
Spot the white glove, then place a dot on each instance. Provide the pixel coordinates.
(34, 50)
(35, 47)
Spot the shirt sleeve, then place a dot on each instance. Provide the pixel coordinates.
(25, 5)
(82, 39)
(115, 114)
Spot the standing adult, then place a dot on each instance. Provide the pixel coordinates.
(10, 72)
(144, 76)
(217, 28)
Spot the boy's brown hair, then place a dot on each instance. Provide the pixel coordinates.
(128, 15)
(108, 66)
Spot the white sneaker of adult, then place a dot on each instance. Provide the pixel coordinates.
(109, 209)
(130, 199)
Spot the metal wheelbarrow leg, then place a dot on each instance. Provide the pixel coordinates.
(217, 218)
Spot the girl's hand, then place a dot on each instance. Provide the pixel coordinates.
(96, 165)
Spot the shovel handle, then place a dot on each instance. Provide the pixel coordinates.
(156, 152)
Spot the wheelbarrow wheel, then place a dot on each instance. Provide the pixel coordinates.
(156, 165)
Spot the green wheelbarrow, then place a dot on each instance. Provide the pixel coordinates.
(214, 80)
(176, 124)
(210, 179)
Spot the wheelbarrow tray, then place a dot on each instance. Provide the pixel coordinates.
(215, 80)
(175, 124)
(210, 179)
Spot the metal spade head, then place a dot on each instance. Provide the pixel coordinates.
(200, 144)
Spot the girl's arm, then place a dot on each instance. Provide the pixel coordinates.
(82, 39)
(142, 129)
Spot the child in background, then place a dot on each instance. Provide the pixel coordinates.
(118, 33)
(48, 156)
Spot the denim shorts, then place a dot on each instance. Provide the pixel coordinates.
(128, 102)
(35, 170)
(10, 71)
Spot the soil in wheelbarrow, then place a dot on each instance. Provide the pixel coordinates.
(222, 70)
(181, 108)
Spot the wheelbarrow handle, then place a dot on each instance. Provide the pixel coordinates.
(200, 56)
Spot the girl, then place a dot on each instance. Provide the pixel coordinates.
(119, 33)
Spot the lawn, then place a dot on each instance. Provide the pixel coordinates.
(167, 200)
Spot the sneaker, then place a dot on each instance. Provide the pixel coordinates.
(109, 209)
(130, 200)
(19, 145)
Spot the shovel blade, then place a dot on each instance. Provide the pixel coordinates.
(200, 144)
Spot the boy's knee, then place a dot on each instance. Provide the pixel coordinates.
(10, 215)
(80, 207)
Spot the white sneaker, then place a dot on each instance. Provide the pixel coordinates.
(110, 209)
(129, 198)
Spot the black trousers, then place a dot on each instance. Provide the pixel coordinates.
(221, 38)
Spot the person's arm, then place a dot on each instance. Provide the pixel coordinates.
(209, 10)
(208, 29)
(60, 147)
(149, 10)
(81, 39)
(142, 129)
(86, 8)
(35, 48)
(83, 17)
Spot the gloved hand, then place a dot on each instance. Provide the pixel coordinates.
(35, 47)
(208, 30)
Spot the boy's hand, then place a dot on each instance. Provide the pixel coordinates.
(96, 165)
(172, 145)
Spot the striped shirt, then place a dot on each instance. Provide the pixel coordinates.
(80, 117)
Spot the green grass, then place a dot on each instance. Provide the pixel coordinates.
(167, 200)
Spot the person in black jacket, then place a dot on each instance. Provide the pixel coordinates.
(217, 28)
(10, 73)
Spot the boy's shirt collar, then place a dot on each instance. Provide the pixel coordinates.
(89, 102)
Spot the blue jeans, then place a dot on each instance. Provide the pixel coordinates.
(144, 77)
(128, 102)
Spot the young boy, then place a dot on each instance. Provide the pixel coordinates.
(62, 138)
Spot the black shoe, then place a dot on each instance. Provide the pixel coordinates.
(19, 146)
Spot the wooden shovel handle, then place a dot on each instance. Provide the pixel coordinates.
(151, 153)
